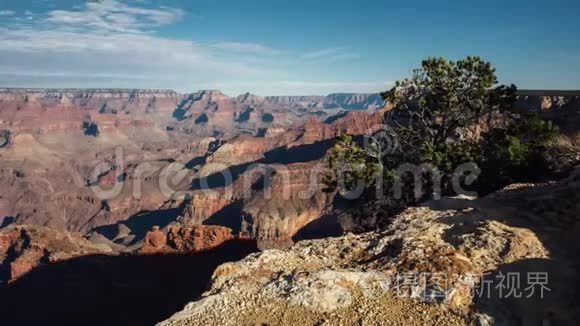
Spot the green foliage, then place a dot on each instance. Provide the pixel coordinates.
(443, 96)
(446, 157)
(523, 139)
(429, 113)
(90, 128)
(511, 150)
(516, 153)
(351, 164)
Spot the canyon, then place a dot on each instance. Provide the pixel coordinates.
(62, 145)
(97, 161)
(105, 174)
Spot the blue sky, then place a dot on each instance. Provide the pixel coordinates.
(280, 47)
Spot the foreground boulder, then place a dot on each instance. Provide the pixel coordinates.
(426, 268)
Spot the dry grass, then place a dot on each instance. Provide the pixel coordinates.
(564, 151)
(566, 141)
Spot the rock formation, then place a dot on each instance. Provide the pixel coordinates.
(293, 199)
(563, 107)
(155, 241)
(23, 248)
(191, 238)
(249, 113)
(184, 238)
(545, 100)
(342, 101)
(423, 268)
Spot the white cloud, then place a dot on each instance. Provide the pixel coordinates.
(7, 13)
(83, 54)
(329, 55)
(112, 15)
(245, 48)
(112, 44)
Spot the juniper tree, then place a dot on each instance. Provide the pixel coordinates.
(442, 97)
(427, 112)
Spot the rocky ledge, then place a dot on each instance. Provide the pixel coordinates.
(428, 267)
(25, 247)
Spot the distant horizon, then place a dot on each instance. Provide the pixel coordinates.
(3, 88)
(548, 92)
(265, 46)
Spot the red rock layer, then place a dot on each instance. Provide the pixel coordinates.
(189, 239)
(155, 241)
(23, 248)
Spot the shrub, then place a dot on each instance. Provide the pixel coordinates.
(429, 112)
(517, 153)
(443, 96)
(446, 157)
(351, 165)
(563, 152)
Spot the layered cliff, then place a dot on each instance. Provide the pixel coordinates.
(213, 112)
(206, 112)
(563, 107)
(64, 110)
(340, 101)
